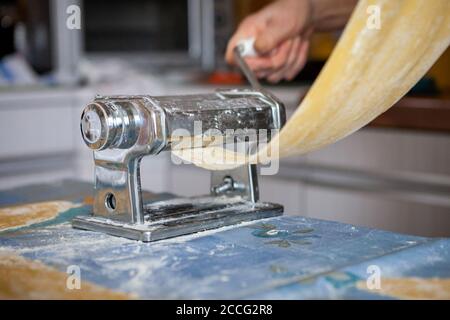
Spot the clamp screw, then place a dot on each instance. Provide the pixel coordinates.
(228, 184)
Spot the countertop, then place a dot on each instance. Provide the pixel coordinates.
(277, 258)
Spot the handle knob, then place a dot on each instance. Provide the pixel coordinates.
(97, 125)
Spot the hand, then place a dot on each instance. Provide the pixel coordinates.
(282, 31)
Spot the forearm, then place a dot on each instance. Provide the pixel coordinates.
(330, 15)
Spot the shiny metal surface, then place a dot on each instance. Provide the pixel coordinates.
(249, 75)
(123, 129)
(182, 216)
(242, 182)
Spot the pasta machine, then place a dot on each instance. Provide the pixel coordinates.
(121, 130)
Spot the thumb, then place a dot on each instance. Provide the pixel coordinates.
(270, 38)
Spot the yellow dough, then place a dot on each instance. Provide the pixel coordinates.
(412, 288)
(211, 158)
(27, 214)
(369, 70)
(21, 278)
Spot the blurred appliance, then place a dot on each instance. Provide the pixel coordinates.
(198, 28)
(211, 24)
(42, 36)
(135, 25)
(8, 19)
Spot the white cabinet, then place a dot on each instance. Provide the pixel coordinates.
(291, 194)
(389, 179)
(377, 210)
(37, 140)
(392, 150)
(35, 125)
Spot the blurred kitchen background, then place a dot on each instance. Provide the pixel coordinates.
(394, 174)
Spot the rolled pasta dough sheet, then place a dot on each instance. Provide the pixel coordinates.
(369, 71)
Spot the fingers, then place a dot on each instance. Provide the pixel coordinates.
(229, 55)
(271, 27)
(273, 36)
(281, 55)
(283, 20)
(277, 75)
(249, 28)
(268, 64)
(261, 63)
(302, 56)
(284, 60)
